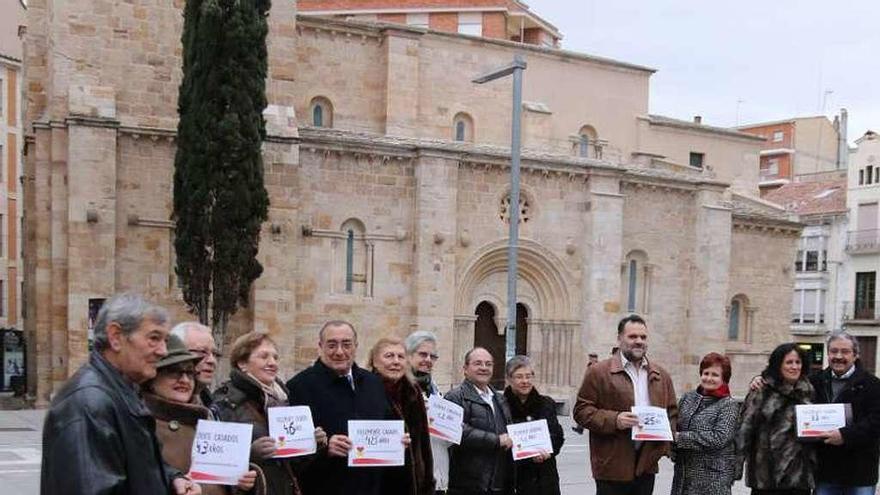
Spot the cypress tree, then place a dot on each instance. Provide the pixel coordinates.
(220, 200)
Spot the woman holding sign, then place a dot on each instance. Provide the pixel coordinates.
(777, 462)
(171, 400)
(416, 477)
(705, 455)
(253, 388)
(537, 475)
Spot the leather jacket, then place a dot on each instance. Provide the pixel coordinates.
(99, 438)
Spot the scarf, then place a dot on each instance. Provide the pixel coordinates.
(719, 393)
(273, 391)
(423, 380)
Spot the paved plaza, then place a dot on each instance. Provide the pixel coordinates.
(20, 458)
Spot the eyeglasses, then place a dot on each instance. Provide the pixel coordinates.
(332, 345)
(203, 353)
(425, 355)
(176, 372)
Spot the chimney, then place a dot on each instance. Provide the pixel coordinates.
(842, 145)
(698, 119)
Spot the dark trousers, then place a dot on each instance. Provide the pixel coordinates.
(643, 485)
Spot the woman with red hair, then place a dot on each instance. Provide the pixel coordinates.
(705, 453)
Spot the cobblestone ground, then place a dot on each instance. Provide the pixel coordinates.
(20, 458)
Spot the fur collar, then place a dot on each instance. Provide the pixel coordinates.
(168, 410)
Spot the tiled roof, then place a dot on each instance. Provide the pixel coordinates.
(811, 198)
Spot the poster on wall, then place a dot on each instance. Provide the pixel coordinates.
(94, 308)
(13, 357)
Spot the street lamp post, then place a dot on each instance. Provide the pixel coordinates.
(516, 69)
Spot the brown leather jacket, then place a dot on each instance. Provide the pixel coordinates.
(606, 391)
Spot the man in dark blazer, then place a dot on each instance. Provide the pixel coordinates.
(337, 390)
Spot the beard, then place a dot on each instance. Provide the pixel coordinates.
(635, 354)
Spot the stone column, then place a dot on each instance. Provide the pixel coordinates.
(710, 277)
(402, 86)
(435, 244)
(601, 266)
(38, 266)
(91, 209)
(274, 293)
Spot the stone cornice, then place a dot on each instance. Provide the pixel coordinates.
(377, 29)
(750, 222)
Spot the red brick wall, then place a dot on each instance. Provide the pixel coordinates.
(495, 25)
(768, 130)
(444, 21)
(784, 165)
(532, 36)
(306, 5)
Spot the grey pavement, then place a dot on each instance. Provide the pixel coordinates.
(20, 458)
(20, 451)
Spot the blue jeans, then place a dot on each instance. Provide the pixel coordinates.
(831, 489)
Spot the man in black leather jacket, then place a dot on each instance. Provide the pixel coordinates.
(481, 464)
(99, 436)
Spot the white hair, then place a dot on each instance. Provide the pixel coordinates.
(182, 329)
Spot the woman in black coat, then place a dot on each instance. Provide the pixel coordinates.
(538, 475)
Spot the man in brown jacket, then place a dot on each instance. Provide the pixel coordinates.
(620, 465)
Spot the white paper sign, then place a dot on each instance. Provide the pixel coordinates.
(653, 424)
(815, 419)
(376, 443)
(293, 431)
(445, 419)
(530, 439)
(220, 452)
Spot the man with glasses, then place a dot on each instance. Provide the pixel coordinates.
(481, 464)
(849, 457)
(338, 390)
(421, 352)
(199, 340)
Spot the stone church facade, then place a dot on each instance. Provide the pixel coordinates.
(388, 177)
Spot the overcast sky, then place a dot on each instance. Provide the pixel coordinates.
(779, 58)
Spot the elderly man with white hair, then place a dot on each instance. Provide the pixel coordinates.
(199, 340)
(99, 437)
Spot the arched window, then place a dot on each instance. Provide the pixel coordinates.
(587, 143)
(635, 283)
(733, 321)
(463, 128)
(354, 259)
(738, 318)
(322, 112)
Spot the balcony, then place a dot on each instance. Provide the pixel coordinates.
(863, 241)
(861, 312)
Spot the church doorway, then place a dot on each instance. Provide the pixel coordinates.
(486, 335)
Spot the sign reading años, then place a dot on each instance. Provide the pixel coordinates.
(653, 424)
(530, 439)
(376, 443)
(220, 452)
(814, 420)
(445, 419)
(293, 431)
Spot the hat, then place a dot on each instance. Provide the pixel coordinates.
(177, 353)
